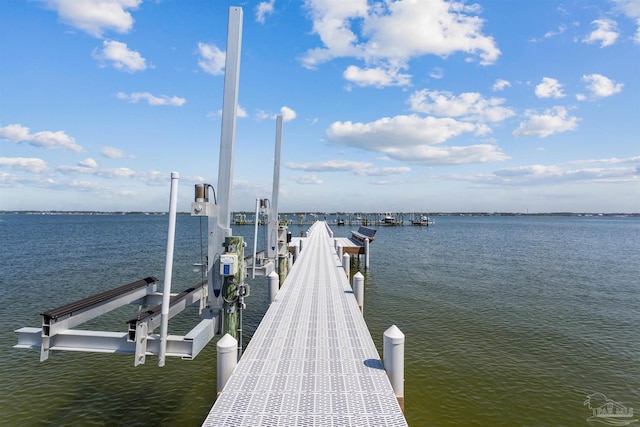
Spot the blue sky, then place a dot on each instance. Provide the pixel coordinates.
(487, 105)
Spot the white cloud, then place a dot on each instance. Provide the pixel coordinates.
(29, 164)
(287, 114)
(549, 34)
(435, 27)
(331, 21)
(12, 181)
(631, 9)
(152, 100)
(212, 59)
(411, 139)
(121, 57)
(385, 171)
(46, 139)
(378, 76)
(601, 86)
(437, 73)
(112, 153)
(454, 155)
(88, 163)
(608, 161)
(549, 88)
(330, 166)
(540, 174)
(241, 113)
(500, 84)
(308, 180)
(356, 168)
(554, 120)
(149, 177)
(263, 9)
(96, 16)
(469, 106)
(560, 174)
(606, 33)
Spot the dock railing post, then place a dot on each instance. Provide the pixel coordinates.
(358, 289)
(227, 358)
(393, 351)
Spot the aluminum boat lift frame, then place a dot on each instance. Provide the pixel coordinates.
(57, 331)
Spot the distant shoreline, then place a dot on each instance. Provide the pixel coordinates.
(439, 214)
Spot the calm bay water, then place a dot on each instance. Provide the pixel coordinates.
(509, 320)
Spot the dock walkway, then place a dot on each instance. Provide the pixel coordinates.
(312, 361)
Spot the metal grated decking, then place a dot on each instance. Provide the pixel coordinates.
(312, 361)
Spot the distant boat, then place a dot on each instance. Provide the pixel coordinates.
(390, 219)
(422, 220)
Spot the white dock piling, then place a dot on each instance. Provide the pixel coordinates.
(274, 285)
(168, 268)
(366, 253)
(227, 349)
(346, 263)
(358, 289)
(393, 351)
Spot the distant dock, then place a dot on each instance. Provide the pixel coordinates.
(342, 218)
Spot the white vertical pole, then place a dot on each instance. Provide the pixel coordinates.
(168, 268)
(274, 285)
(255, 238)
(346, 263)
(227, 358)
(366, 253)
(220, 217)
(229, 115)
(272, 228)
(358, 289)
(393, 350)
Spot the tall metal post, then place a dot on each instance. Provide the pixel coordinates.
(255, 239)
(220, 218)
(168, 268)
(272, 228)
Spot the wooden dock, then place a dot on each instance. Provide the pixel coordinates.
(312, 361)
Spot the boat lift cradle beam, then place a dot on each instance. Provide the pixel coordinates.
(57, 332)
(73, 314)
(187, 347)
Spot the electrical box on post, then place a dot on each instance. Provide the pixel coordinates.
(228, 264)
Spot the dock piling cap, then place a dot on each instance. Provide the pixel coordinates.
(394, 334)
(227, 344)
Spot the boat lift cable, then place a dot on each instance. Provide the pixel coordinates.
(215, 201)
